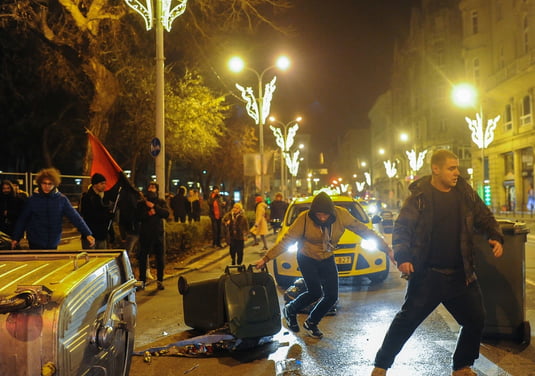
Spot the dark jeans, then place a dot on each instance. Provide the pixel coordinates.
(321, 279)
(424, 293)
(146, 247)
(216, 232)
(236, 251)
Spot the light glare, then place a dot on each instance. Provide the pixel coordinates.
(464, 95)
(236, 64)
(283, 63)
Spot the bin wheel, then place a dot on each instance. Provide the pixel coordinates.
(183, 286)
(526, 333)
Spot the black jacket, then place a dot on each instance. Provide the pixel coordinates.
(411, 238)
(152, 225)
(96, 214)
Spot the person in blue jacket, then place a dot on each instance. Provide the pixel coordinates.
(43, 214)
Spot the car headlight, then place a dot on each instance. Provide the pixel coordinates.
(293, 248)
(369, 244)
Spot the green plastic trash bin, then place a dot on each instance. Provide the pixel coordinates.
(503, 284)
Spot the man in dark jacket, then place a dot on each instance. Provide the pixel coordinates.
(42, 216)
(178, 204)
(10, 208)
(277, 210)
(151, 212)
(433, 246)
(96, 213)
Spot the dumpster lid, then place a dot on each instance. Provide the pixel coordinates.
(514, 227)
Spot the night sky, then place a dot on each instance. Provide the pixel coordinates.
(341, 53)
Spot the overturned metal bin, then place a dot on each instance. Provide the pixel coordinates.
(66, 313)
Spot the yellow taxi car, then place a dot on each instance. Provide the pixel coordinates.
(354, 256)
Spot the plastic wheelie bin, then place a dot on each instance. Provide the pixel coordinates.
(503, 284)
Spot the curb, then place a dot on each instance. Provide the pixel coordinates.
(223, 253)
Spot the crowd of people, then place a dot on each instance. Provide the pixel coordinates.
(39, 218)
(432, 244)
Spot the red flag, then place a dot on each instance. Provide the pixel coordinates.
(103, 162)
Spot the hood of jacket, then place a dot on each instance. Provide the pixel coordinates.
(322, 203)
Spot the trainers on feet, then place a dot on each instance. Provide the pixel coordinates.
(291, 319)
(312, 329)
(160, 285)
(466, 371)
(378, 372)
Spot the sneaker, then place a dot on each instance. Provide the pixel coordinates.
(160, 285)
(378, 372)
(312, 329)
(291, 319)
(466, 371)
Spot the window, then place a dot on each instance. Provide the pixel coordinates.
(442, 126)
(508, 118)
(525, 118)
(475, 22)
(476, 70)
(501, 58)
(526, 34)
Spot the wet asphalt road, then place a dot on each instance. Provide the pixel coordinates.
(351, 337)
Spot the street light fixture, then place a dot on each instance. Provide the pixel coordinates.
(285, 141)
(465, 95)
(161, 17)
(258, 108)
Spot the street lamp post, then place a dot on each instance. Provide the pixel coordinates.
(285, 141)
(161, 17)
(465, 95)
(258, 108)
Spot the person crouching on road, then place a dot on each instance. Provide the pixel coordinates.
(318, 231)
(237, 231)
(151, 212)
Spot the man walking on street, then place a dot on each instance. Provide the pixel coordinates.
(434, 249)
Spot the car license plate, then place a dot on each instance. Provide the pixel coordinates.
(343, 260)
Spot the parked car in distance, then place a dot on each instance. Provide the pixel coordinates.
(354, 256)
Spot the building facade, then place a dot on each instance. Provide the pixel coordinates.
(418, 106)
(499, 58)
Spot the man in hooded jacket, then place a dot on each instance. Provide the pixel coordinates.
(318, 231)
(151, 212)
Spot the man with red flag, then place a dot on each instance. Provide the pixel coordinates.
(118, 190)
(97, 211)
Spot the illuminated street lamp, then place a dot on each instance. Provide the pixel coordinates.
(285, 139)
(258, 107)
(161, 17)
(465, 95)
